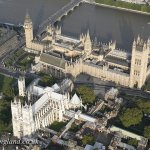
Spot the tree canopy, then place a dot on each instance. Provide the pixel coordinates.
(133, 142)
(144, 105)
(131, 116)
(147, 85)
(6, 85)
(5, 116)
(57, 126)
(147, 132)
(88, 139)
(86, 93)
(47, 80)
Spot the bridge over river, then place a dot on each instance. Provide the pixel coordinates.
(59, 14)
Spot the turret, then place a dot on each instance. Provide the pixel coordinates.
(49, 29)
(134, 44)
(21, 86)
(16, 110)
(81, 38)
(139, 61)
(58, 30)
(148, 43)
(88, 44)
(27, 116)
(138, 39)
(112, 45)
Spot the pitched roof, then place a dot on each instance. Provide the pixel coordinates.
(56, 87)
(53, 60)
(44, 99)
(75, 100)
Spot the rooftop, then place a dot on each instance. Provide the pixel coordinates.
(53, 60)
(116, 60)
(75, 100)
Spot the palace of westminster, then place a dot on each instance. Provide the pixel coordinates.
(63, 56)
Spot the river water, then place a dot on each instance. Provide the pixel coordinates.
(103, 23)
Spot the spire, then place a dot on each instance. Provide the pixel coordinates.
(88, 36)
(144, 46)
(134, 43)
(148, 41)
(27, 18)
(138, 39)
(58, 30)
(95, 41)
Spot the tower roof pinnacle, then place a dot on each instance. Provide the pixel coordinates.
(87, 37)
(88, 34)
(27, 18)
(134, 42)
(148, 41)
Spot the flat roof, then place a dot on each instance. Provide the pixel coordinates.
(117, 61)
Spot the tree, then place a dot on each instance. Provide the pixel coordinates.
(57, 126)
(133, 142)
(47, 80)
(5, 116)
(86, 93)
(74, 127)
(6, 84)
(147, 132)
(131, 116)
(88, 139)
(144, 105)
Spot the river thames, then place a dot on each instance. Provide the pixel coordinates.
(103, 23)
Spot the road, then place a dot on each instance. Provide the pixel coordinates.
(9, 73)
(107, 86)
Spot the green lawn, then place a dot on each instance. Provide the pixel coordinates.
(57, 126)
(138, 7)
(23, 63)
(6, 84)
(26, 61)
(5, 116)
(9, 61)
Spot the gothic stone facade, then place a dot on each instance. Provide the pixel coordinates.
(49, 106)
(98, 60)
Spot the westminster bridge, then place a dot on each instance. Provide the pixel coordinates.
(59, 14)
